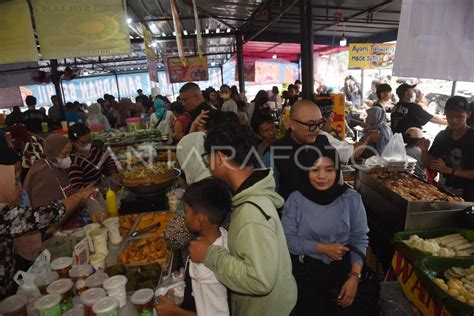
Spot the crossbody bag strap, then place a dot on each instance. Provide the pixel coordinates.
(357, 252)
(161, 118)
(267, 217)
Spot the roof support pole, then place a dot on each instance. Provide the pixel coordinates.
(56, 78)
(240, 62)
(306, 26)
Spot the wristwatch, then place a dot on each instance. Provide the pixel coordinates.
(355, 274)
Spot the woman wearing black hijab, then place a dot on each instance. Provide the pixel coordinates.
(319, 220)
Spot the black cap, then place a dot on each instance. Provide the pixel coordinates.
(457, 104)
(383, 87)
(403, 88)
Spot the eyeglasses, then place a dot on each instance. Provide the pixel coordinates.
(312, 126)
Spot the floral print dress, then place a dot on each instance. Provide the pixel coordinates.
(15, 221)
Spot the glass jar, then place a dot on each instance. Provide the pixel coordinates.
(106, 306)
(49, 305)
(98, 261)
(143, 301)
(43, 280)
(96, 280)
(89, 297)
(62, 266)
(15, 305)
(62, 287)
(99, 238)
(115, 286)
(79, 274)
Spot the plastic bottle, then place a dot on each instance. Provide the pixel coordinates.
(111, 203)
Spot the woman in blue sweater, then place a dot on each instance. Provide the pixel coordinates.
(319, 220)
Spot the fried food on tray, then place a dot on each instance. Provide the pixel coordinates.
(149, 170)
(459, 284)
(144, 251)
(154, 218)
(126, 223)
(411, 188)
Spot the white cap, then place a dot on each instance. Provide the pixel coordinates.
(105, 305)
(96, 280)
(90, 296)
(111, 221)
(80, 270)
(115, 282)
(142, 297)
(48, 301)
(60, 286)
(61, 263)
(13, 303)
(75, 311)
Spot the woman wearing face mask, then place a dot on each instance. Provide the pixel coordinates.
(229, 105)
(16, 221)
(89, 163)
(46, 181)
(320, 220)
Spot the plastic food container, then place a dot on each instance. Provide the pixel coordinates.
(62, 287)
(43, 280)
(79, 274)
(143, 301)
(134, 124)
(106, 306)
(49, 305)
(115, 286)
(62, 266)
(98, 261)
(113, 225)
(99, 238)
(88, 229)
(14, 305)
(96, 280)
(89, 297)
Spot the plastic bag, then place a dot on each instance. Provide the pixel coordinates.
(97, 208)
(395, 149)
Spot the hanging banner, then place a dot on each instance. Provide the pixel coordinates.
(195, 69)
(249, 71)
(429, 49)
(198, 29)
(81, 28)
(371, 55)
(10, 97)
(150, 55)
(16, 33)
(177, 30)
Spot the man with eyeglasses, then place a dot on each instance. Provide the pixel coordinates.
(290, 156)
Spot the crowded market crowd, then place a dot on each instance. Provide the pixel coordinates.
(297, 235)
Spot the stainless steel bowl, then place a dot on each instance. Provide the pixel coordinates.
(155, 188)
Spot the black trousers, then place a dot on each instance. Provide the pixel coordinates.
(319, 285)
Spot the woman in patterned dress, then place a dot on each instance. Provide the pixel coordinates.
(16, 220)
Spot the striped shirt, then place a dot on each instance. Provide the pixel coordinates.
(85, 171)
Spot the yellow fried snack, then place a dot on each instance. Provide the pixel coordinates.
(144, 251)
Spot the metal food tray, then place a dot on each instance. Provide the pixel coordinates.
(394, 213)
(137, 221)
(129, 240)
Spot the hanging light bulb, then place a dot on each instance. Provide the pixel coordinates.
(154, 44)
(218, 30)
(343, 41)
(185, 32)
(274, 56)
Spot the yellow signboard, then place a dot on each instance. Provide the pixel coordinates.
(371, 55)
(16, 33)
(81, 28)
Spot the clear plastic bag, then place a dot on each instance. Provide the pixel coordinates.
(395, 149)
(97, 208)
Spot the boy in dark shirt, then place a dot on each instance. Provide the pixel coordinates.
(32, 118)
(452, 152)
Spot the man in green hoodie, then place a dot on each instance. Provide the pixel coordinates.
(257, 266)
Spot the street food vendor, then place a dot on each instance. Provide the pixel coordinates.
(89, 162)
(452, 152)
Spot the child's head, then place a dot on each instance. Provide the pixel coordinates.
(206, 202)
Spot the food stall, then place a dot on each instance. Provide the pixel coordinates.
(119, 260)
(423, 238)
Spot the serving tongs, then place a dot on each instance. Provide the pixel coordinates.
(144, 230)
